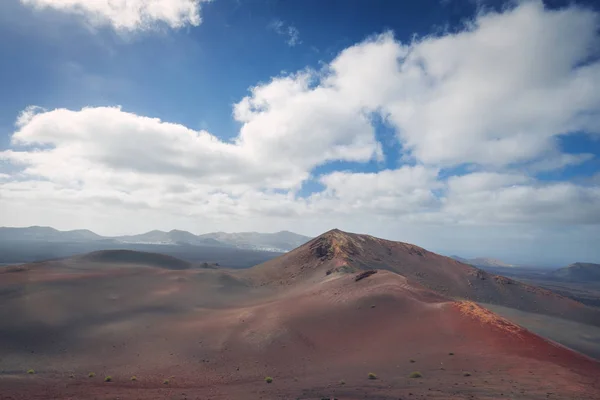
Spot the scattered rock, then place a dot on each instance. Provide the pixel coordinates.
(365, 274)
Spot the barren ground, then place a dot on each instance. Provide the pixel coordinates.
(216, 334)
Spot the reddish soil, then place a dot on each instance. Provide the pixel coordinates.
(216, 334)
(340, 252)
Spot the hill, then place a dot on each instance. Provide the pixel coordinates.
(337, 252)
(483, 262)
(133, 257)
(44, 233)
(278, 242)
(168, 238)
(582, 272)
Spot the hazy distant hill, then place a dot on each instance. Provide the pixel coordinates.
(482, 262)
(45, 233)
(279, 241)
(238, 250)
(587, 272)
(171, 237)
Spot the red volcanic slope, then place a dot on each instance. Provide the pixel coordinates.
(218, 334)
(340, 252)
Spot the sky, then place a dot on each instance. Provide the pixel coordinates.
(466, 127)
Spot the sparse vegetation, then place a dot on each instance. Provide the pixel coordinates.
(30, 371)
(108, 379)
(166, 382)
(372, 375)
(133, 378)
(466, 374)
(415, 374)
(91, 374)
(268, 379)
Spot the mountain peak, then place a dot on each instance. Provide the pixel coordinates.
(335, 243)
(335, 251)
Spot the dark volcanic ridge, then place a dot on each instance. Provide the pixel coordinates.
(580, 272)
(134, 257)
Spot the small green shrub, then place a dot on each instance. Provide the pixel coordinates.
(133, 378)
(415, 374)
(466, 374)
(268, 379)
(372, 375)
(30, 371)
(91, 374)
(108, 379)
(166, 382)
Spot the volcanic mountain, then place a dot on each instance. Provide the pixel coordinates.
(337, 252)
(580, 272)
(316, 321)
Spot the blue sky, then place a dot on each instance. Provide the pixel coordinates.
(194, 75)
(468, 127)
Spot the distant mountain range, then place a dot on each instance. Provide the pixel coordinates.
(276, 242)
(482, 262)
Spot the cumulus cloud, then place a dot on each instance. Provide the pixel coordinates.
(487, 104)
(489, 198)
(128, 15)
(108, 141)
(403, 191)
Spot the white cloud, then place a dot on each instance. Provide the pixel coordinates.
(291, 33)
(105, 142)
(494, 97)
(128, 15)
(495, 94)
(484, 198)
(400, 192)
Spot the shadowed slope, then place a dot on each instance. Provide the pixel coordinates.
(337, 252)
(133, 257)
